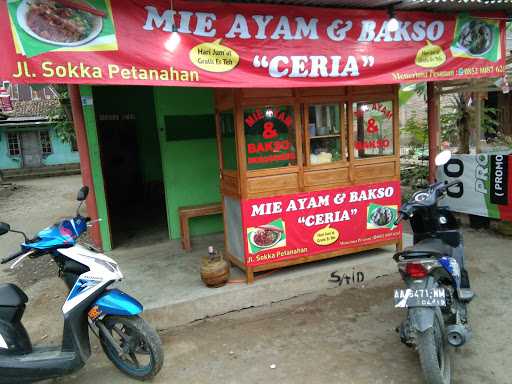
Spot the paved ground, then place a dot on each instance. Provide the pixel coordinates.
(335, 336)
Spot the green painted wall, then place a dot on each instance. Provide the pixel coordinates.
(190, 167)
(97, 175)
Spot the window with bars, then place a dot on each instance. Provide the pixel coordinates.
(13, 143)
(46, 144)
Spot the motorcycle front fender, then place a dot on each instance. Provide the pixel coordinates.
(117, 303)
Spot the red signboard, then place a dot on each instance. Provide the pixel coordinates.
(241, 45)
(305, 224)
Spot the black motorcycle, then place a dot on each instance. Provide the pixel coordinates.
(437, 284)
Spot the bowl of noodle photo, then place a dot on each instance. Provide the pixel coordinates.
(61, 23)
(381, 216)
(476, 37)
(265, 236)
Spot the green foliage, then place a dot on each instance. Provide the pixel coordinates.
(502, 140)
(490, 122)
(449, 117)
(457, 116)
(414, 176)
(407, 91)
(417, 129)
(61, 116)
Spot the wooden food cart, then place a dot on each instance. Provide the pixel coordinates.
(307, 173)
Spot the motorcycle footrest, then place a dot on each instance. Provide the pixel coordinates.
(466, 295)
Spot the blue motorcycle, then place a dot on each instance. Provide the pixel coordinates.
(129, 342)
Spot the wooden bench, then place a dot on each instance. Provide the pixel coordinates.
(187, 213)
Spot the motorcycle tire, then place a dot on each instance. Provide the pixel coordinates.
(434, 353)
(136, 338)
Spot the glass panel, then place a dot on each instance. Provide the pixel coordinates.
(373, 129)
(324, 133)
(46, 144)
(270, 137)
(227, 126)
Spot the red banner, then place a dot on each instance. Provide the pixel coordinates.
(305, 224)
(241, 45)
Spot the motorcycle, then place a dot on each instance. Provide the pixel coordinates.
(437, 284)
(113, 316)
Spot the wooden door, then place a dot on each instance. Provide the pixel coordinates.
(31, 149)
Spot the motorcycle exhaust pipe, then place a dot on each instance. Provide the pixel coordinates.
(458, 335)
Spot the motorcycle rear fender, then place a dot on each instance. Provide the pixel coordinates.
(117, 303)
(421, 318)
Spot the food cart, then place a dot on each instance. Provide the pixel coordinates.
(307, 173)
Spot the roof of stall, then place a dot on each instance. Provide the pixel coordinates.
(405, 5)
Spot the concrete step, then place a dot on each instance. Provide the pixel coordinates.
(178, 297)
(47, 171)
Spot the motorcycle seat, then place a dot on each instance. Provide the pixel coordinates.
(12, 296)
(427, 246)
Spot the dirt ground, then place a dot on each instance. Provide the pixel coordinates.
(339, 336)
(335, 336)
(32, 206)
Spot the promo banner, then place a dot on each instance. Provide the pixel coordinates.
(487, 185)
(220, 44)
(292, 226)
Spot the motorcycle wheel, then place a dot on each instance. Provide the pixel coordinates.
(142, 356)
(435, 356)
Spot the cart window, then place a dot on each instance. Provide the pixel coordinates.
(227, 126)
(373, 129)
(324, 133)
(270, 137)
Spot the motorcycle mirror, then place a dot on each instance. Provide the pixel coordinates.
(4, 228)
(443, 157)
(82, 193)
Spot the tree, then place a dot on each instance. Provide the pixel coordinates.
(62, 117)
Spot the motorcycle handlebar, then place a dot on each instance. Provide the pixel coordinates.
(12, 257)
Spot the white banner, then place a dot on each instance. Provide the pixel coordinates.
(486, 184)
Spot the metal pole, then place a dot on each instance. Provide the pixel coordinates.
(433, 118)
(85, 161)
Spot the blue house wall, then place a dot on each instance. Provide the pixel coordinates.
(6, 161)
(62, 153)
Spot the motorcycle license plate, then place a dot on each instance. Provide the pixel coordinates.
(433, 297)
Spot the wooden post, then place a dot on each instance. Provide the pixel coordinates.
(85, 161)
(433, 117)
(478, 121)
